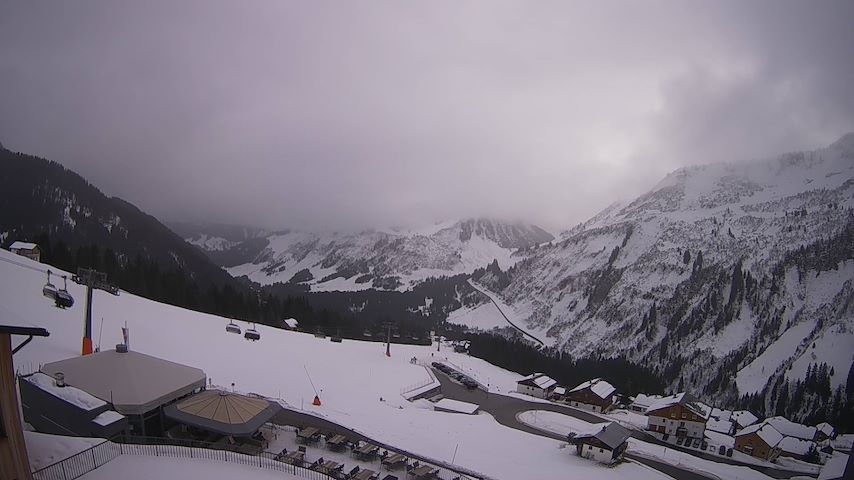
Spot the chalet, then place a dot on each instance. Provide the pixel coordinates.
(641, 402)
(795, 447)
(759, 440)
(596, 395)
(721, 421)
(558, 394)
(679, 415)
(791, 429)
(825, 432)
(26, 249)
(290, 324)
(537, 385)
(743, 418)
(604, 444)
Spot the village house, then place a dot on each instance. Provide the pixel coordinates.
(825, 431)
(795, 447)
(558, 394)
(605, 444)
(743, 418)
(680, 416)
(596, 395)
(26, 249)
(759, 440)
(641, 402)
(536, 385)
(721, 421)
(791, 429)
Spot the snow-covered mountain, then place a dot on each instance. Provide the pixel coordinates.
(724, 277)
(386, 259)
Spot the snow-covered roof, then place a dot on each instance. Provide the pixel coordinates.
(744, 418)
(600, 387)
(644, 401)
(795, 445)
(792, 429)
(457, 406)
(538, 380)
(766, 432)
(613, 434)
(108, 417)
(718, 438)
(721, 414)
(545, 382)
(825, 428)
(72, 395)
(22, 245)
(133, 382)
(291, 322)
(560, 390)
(721, 426)
(685, 399)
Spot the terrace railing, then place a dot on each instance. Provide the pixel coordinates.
(84, 462)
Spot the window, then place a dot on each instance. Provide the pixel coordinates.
(601, 451)
(672, 414)
(682, 424)
(684, 415)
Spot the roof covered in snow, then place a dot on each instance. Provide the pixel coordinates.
(826, 428)
(22, 246)
(538, 380)
(600, 387)
(792, 429)
(686, 400)
(721, 426)
(133, 382)
(291, 322)
(766, 432)
(744, 418)
(795, 445)
(451, 405)
(613, 434)
(644, 401)
(72, 395)
(721, 414)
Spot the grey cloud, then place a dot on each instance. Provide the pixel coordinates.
(386, 112)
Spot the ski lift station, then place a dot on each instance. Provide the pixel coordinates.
(73, 396)
(118, 391)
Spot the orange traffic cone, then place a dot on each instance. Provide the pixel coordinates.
(316, 401)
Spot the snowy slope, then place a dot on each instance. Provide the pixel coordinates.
(385, 259)
(630, 280)
(351, 376)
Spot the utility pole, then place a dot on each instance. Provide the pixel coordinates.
(388, 338)
(93, 279)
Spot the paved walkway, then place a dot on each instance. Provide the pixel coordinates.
(505, 409)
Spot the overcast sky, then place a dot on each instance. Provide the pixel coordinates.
(380, 113)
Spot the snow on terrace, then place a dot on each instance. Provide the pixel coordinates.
(350, 377)
(133, 467)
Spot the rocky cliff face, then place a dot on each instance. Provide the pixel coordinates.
(720, 277)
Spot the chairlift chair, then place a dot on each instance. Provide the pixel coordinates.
(63, 298)
(233, 328)
(252, 334)
(49, 289)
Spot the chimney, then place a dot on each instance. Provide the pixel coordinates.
(59, 377)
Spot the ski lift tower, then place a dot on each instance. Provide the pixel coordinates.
(93, 279)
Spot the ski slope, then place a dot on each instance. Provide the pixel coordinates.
(359, 386)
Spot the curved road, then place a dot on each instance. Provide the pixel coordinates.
(505, 409)
(491, 298)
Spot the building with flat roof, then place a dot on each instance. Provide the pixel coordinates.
(137, 385)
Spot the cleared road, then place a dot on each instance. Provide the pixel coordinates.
(505, 409)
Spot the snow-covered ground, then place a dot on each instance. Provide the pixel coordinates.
(44, 449)
(350, 377)
(138, 467)
(563, 424)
